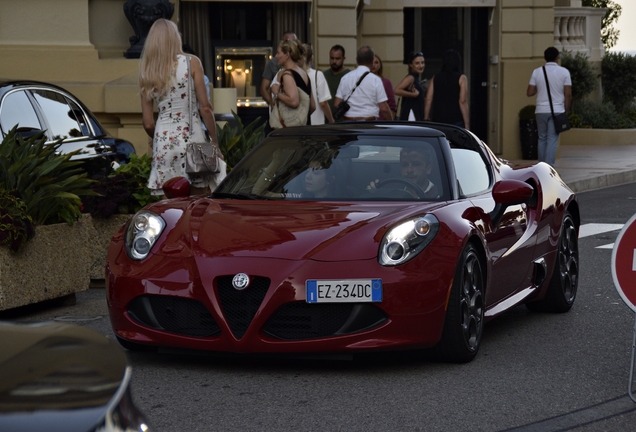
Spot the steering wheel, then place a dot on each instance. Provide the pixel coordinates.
(411, 187)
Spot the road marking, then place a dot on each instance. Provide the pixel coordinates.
(607, 246)
(591, 229)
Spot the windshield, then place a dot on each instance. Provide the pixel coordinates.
(352, 168)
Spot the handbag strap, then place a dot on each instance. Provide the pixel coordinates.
(280, 117)
(189, 92)
(357, 84)
(547, 84)
(280, 90)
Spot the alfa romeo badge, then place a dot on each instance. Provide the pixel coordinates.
(240, 281)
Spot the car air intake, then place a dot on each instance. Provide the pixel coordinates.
(239, 307)
(175, 315)
(300, 320)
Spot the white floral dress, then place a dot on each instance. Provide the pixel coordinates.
(173, 132)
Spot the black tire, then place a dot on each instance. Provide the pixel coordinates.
(565, 277)
(464, 322)
(132, 346)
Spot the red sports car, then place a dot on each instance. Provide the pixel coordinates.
(347, 238)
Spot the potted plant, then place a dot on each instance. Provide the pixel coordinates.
(47, 237)
(236, 142)
(16, 226)
(528, 133)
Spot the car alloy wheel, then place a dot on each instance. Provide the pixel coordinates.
(568, 261)
(565, 277)
(471, 301)
(464, 321)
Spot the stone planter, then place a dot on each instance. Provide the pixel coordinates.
(598, 137)
(104, 230)
(53, 264)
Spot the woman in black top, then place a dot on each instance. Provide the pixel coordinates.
(450, 84)
(410, 89)
(290, 55)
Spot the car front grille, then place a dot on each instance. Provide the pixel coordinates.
(300, 320)
(175, 315)
(239, 307)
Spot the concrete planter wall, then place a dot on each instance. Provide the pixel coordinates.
(60, 260)
(598, 137)
(103, 231)
(53, 264)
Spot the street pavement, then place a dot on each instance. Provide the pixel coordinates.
(585, 168)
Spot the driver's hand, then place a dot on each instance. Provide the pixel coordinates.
(372, 185)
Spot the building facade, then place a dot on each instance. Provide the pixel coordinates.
(79, 45)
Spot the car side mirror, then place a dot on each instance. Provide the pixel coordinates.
(512, 192)
(177, 187)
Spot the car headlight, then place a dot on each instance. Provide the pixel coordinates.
(143, 231)
(403, 242)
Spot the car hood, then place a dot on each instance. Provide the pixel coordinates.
(284, 229)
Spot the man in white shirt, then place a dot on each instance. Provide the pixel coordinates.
(368, 99)
(561, 93)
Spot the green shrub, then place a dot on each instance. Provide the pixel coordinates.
(236, 142)
(598, 115)
(583, 76)
(49, 183)
(16, 226)
(124, 191)
(575, 121)
(619, 79)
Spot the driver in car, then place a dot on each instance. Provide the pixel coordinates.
(415, 167)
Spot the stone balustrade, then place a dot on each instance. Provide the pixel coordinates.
(578, 29)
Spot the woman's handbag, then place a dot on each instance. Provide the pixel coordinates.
(201, 157)
(561, 120)
(283, 116)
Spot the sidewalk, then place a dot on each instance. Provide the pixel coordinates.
(586, 168)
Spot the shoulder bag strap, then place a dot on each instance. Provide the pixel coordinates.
(357, 84)
(280, 117)
(547, 84)
(189, 89)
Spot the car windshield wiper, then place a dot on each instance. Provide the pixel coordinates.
(238, 196)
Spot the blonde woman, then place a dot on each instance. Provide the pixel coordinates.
(294, 79)
(164, 80)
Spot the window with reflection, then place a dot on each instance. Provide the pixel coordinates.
(363, 168)
(62, 119)
(473, 175)
(18, 110)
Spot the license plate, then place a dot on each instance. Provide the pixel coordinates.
(344, 290)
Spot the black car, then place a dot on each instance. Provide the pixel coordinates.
(62, 377)
(35, 107)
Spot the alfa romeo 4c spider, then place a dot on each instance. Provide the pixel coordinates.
(347, 238)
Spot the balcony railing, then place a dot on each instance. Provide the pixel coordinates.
(578, 29)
